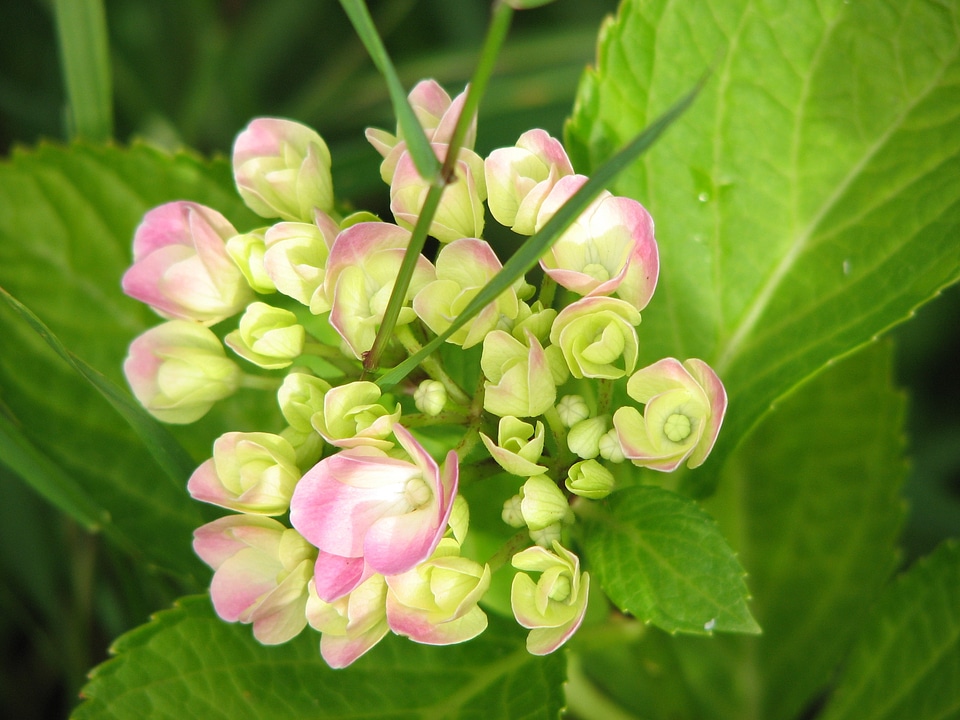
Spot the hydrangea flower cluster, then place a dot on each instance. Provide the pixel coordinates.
(342, 519)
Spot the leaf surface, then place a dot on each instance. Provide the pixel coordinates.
(807, 202)
(188, 663)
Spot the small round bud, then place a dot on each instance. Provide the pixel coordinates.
(543, 503)
(610, 447)
(584, 437)
(572, 409)
(545, 537)
(590, 479)
(511, 514)
(430, 397)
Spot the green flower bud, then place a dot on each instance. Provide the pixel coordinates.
(610, 447)
(511, 513)
(546, 537)
(584, 437)
(296, 259)
(515, 451)
(430, 397)
(268, 336)
(597, 337)
(519, 380)
(352, 416)
(572, 409)
(536, 320)
(543, 503)
(300, 396)
(247, 252)
(590, 479)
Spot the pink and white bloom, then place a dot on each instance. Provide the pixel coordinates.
(178, 370)
(609, 249)
(351, 415)
(261, 570)
(296, 258)
(460, 213)
(520, 178)
(438, 117)
(181, 267)
(282, 169)
(352, 624)
(435, 603)
(361, 272)
(553, 606)
(369, 513)
(464, 267)
(684, 404)
(249, 472)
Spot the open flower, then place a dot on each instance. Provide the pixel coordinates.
(609, 249)
(352, 416)
(684, 408)
(368, 512)
(436, 602)
(261, 570)
(552, 607)
(181, 267)
(249, 472)
(361, 272)
(178, 370)
(463, 268)
(515, 450)
(352, 624)
(282, 169)
(521, 177)
(438, 116)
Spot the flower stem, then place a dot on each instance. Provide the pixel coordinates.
(510, 548)
(431, 366)
(548, 289)
(260, 382)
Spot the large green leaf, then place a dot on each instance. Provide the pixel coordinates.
(187, 663)
(808, 201)
(662, 559)
(907, 662)
(811, 504)
(67, 217)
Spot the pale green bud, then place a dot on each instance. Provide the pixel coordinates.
(430, 397)
(268, 336)
(543, 503)
(300, 396)
(590, 479)
(610, 447)
(516, 451)
(584, 437)
(546, 537)
(572, 409)
(519, 380)
(512, 514)
(296, 259)
(597, 337)
(352, 416)
(536, 320)
(247, 252)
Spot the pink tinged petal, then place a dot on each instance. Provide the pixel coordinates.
(663, 375)
(717, 398)
(430, 101)
(336, 576)
(204, 485)
(543, 641)
(241, 581)
(547, 148)
(397, 544)
(415, 625)
(443, 132)
(281, 615)
(217, 541)
(382, 141)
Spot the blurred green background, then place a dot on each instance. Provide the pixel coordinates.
(192, 73)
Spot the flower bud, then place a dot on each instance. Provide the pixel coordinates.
(521, 177)
(268, 336)
(609, 447)
(261, 570)
(572, 409)
(436, 602)
(460, 213)
(590, 479)
(546, 537)
(181, 267)
(351, 625)
(352, 416)
(519, 378)
(282, 169)
(516, 451)
(249, 472)
(430, 397)
(464, 267)
(684, 405)
(296, 258)
(300, 397)
(511, 513)
(543, 503)
(247, 251)
(597, 337)
(178, 370)
(536, 320)
(553, 606)
(584, 437)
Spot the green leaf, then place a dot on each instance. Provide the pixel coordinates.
(67, 217)
(907, 661)
(809, 200)
(188, 663)
(662, 559)
(811, 503)
(85, 56)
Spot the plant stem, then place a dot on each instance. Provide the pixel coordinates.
(431, 366)
(548, 289)
(510, 548)
(85, 57)
(260, 382)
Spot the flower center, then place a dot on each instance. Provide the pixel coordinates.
(561, 589)
(417, 493)
(597, 272)
(677, 427)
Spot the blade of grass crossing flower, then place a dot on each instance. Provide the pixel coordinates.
(527, 256)
(85, 57)
(496, 34)
(423, 157)
(168, 453)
